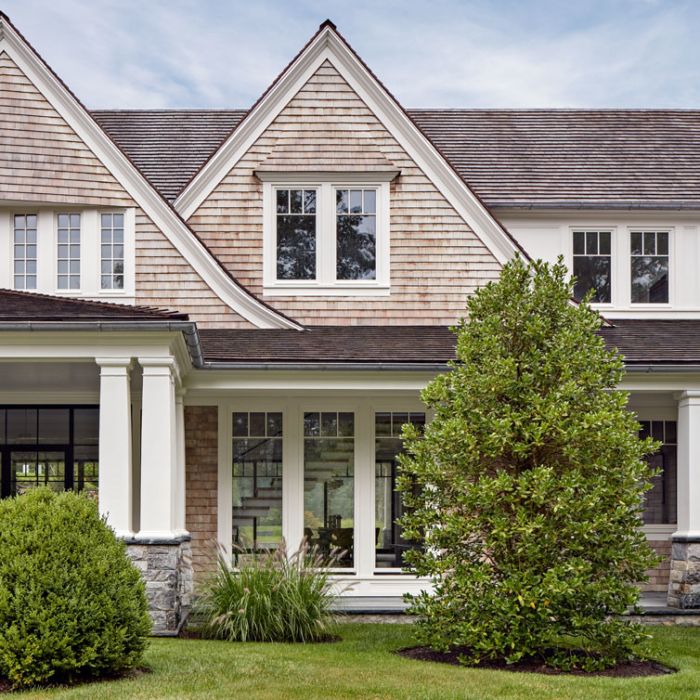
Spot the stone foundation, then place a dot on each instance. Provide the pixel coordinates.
(684, 582)
(166, 568)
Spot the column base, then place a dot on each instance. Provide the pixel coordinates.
(166, 568)
(684, 579)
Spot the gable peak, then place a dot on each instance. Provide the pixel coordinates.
(325, 24)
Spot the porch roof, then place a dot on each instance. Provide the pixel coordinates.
(17, 307)
(642, 342)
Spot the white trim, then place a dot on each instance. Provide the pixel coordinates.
(154, 206)
(327, 46)
(325, 283)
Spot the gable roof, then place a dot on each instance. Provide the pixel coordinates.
(614, 159)
(31, 306)
(161, 213)
(328, 45)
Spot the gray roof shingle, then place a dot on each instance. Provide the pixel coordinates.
(17, 307)
(673, 342)
(530, 158)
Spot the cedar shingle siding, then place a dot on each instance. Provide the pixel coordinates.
(436, 260)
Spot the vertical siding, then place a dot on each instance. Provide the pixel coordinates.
(436, 260)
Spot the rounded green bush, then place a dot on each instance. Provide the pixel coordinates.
(71, 603)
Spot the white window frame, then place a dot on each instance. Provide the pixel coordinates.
(326, 283)
(612, 230)
(90, 252)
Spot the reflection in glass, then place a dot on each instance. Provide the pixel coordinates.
(660, 502)
(329, 466)
(296, 234)
(257, 481)
(33, 469)
(356, 235)
(592, 265)
(389, 541)
(649, 263)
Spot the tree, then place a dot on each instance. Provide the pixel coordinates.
(530, 484)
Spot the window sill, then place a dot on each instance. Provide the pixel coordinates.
(326, 291)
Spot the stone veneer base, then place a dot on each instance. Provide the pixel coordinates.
(684, 581)
(166, 568)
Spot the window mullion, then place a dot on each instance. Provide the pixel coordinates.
(326, 236)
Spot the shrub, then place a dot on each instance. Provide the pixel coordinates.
(530, 484)
(71, 603)
(271, 597)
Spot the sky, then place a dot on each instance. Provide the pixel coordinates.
(442, 53)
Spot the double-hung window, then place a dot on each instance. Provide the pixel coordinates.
(649, 266)
(68, 252)
(593, 265)
(326, 238)
(25, 251)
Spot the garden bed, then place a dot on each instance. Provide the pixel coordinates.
(629, 669)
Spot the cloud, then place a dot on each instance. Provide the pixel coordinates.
(446, 53)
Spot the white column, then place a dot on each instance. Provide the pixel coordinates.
(181, 483)
(115, 492)
(688, 464)
(159, 463)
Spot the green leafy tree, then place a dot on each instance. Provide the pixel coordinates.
(531, 481)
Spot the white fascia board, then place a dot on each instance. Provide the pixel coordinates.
(328, 46)
(143, 193)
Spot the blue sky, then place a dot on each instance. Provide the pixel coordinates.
(442, 53)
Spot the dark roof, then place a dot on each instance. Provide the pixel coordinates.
(333, 344)
(640, 341)
(531, 158)
(169, 146)
(17, 307)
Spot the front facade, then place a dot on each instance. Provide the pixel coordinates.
(314, 250)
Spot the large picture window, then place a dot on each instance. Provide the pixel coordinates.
(592, 265)
(390, 542)
(329, 483)
(48, 446)
(650, 266)
(257, 481)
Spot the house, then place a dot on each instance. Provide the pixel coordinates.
(217, 321)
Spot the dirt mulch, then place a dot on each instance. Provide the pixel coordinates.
(628, 669)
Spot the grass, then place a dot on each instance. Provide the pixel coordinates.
(363, 665)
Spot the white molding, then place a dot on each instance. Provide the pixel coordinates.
(156, 208)
(327, 46)
(302, 177)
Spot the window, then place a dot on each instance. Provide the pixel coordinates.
(650, 269)
(660, 501)
(257, 481)
(68, 256)
(329, 483)
(48, 446)
(25, 251)
(296, 234)
(356, 234)
(592, 265)
(389, 541)
(112, 251)
(326, 238)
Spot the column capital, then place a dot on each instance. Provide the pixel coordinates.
(688, 396)
(114, 365)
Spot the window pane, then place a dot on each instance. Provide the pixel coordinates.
(296, 247)
(591, 243)
(649, 244)
(662, 243)
(390, 544)
(356, 248)
(295, 200)
(636, 243)
(660, 505)
(592, 273)
(341, 201)
(282, 201)
(257, 482)
(355, 201)
(309, 201)
(649, 280)
(86, 426)
(86, 470)
(31, 469)
(370, 202)
(579, 243)
(21, 426)
(54, 426)
(604, 243)
(329, 464)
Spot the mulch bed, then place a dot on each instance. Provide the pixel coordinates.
(629, 669)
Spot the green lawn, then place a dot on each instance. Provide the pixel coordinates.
(363, 665)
